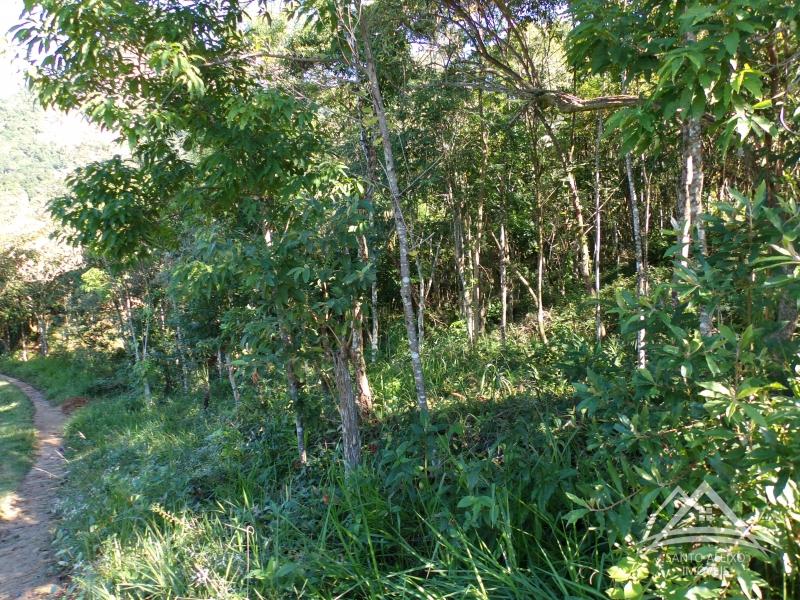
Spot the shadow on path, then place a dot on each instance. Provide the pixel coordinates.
(26, 557)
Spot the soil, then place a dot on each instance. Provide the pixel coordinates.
(27, 563)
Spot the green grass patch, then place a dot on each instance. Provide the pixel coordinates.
(170, 500)
(507, 491)
(17, 437)
(62, 376)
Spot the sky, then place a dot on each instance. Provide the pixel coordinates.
(67, 130)
(10, 77)
(20, 215)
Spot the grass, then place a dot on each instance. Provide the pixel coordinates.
(173, 501)
(168, 500)
(17, 437)
(165, 504)
(61, 375)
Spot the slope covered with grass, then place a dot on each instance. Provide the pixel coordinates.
(170, 500)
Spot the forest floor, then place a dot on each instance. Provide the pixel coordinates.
(26, 559)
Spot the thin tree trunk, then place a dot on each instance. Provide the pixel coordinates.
(424, 290)
(478, 303)
(641, 276)
(145, 343)
(232, 379)
(182, 358)
(357, 345)
(647, 182)
(584, 259)
(540, 278)
(220, 365)
(301, 439)
(537, 299)
(638, 250)
(400, 225)
(374, 318)
(420, 301)
(469, 256)
(599, 329)
(684, 207)
(364, 392)
(24, 336)
(134, 341)
(461, 267)
(368, 148)
(207, 379)
(503, 282)
(293, 389)
(693, 202)
(476, 243)
(351, 437)
(42, 327)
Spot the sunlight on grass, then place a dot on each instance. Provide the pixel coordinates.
(61, 376)
(17, 437)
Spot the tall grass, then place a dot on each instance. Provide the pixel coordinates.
(168, 500)
(175, 501)
(66, 375)
(17, 436)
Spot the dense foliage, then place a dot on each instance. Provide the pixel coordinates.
(422, 299)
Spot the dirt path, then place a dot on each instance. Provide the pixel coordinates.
(26, 560)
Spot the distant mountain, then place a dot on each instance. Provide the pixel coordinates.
(38, 149)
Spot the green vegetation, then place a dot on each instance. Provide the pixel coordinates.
(17, 436)
(168, 503)
(62, 376)
(421, 299)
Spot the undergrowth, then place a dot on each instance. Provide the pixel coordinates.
(63, 375)
(171, 500)
(518, 484)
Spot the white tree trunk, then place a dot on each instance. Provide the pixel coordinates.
(540, 279)
(364, 392)
(692, 202)
(400, 224)
(641, 275)
(44, 348)
(599, 329)
(503, 282)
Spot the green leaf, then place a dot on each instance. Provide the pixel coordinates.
(752, 82)
(754, 414)
(780, 484)
(578, 501)
(697, 13)
(647, 375)
(618, 574)
(731, 42)
(466, 501)
(712, 365)
(717, 388)
(573, 515)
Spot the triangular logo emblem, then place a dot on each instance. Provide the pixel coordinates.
(703, 517)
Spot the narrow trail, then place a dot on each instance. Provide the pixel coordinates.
(27, 568)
